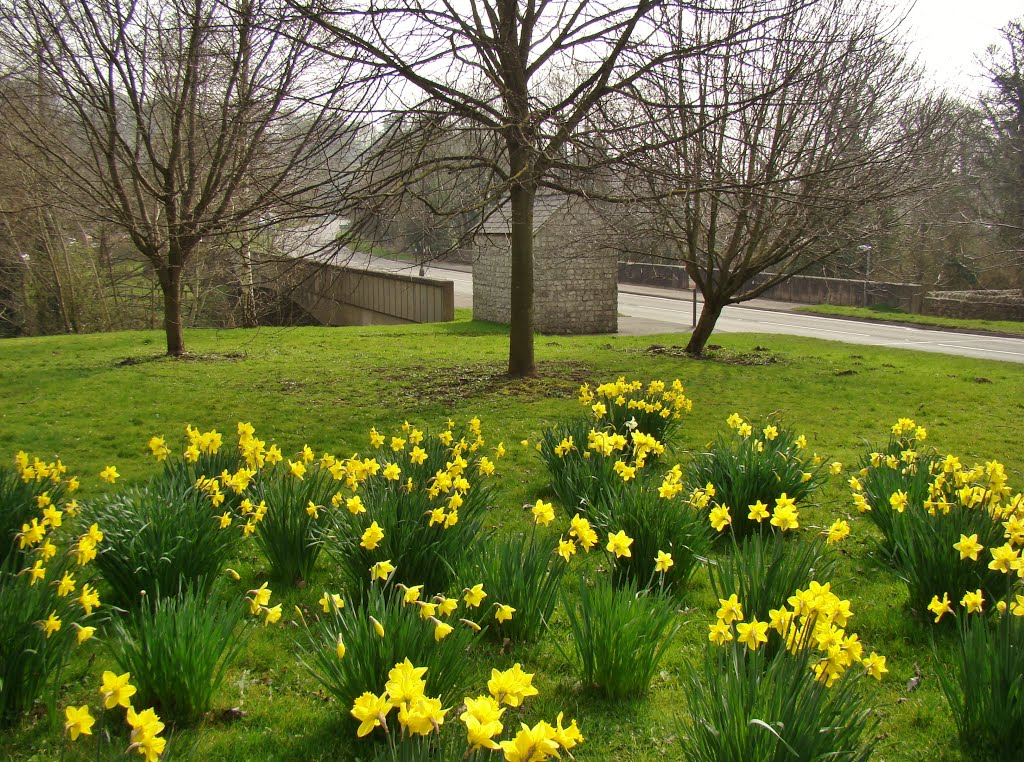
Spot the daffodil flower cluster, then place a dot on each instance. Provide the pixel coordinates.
(405, 690)
(200, 453)
(581, 534)
(39, 471)
(47, 595)
(117, 691)
(814, 619)
(259, 605)
(419, 714)
(749, 481)
(440, 478)
(448, 485)
(783, 514)
(482, 718)
(905, 488)
(631, 406)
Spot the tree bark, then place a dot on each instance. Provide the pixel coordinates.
(709, 315)
(248, 287)
(520, 350)
(170, 284)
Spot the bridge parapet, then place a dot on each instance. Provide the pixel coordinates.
(337, 295)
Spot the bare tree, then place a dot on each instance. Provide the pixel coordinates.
(1003, 105)
(491, 63)
(764, 152)
(174, 120)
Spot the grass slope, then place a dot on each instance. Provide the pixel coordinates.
(96, 399)
(893, 315)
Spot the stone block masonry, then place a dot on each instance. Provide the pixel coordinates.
(575, 273)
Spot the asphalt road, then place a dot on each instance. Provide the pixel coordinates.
(645, 310)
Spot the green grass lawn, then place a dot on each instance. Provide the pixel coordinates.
(894, 315)
(96, 399)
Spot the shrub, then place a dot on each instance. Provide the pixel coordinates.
(349, 647)
(425, 504)
(767, 468)
(525, 573)
(619, 636)
(164, 537)
(179, 649)
(984, 685)
(288, 521)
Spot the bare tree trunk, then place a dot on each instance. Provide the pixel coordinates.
(709, 315)
(520, 352)
(71, 310)
(45, 246)
(248, 292)
(170, 284)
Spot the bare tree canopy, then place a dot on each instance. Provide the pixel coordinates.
(525, 74)
(175, 120)
(762, 154)
(1003, 105)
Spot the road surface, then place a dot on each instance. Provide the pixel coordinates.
(646, 310)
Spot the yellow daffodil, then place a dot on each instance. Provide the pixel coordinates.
(543, 513)
(381, 570)
(511, 686)
(752, 634)
(372, 536)
(839, 531)
(116, 690)
(973, 602)
(475, 595)
(79, 721)
(619, 543)
(730, 609)
(720, 517)
(719, 633)
(874, 665)
(663, 562)
(940, 608)
(757, 512)
(371, 711)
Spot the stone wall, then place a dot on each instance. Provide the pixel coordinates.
(976, 305)
(805, 289)
(808, 289)
(575, 288)
(648, 274)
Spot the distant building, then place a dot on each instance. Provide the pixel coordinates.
(575, 268)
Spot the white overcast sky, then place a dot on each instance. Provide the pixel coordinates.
(949, 34)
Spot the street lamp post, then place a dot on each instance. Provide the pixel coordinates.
(866, 248)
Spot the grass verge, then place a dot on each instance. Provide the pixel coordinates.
(96, 399)
(887, 314)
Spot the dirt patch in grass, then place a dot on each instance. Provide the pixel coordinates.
(188, 357)
(449, 386)
(715, 353)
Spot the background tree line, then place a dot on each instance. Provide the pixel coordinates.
(157, 154)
